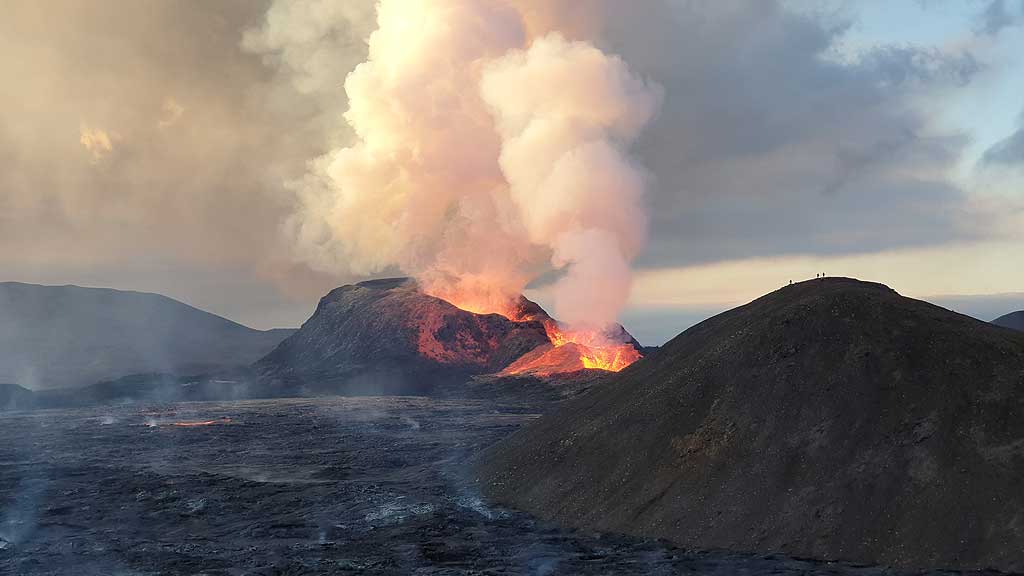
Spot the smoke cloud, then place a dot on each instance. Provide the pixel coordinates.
(566, 112)
(483, 158)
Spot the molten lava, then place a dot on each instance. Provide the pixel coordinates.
(597, 350)
(571, 349)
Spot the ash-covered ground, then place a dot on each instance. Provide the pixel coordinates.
(289, 487)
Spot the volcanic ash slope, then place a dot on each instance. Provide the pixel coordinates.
(834, 419)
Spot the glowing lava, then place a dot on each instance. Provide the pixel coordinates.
(596, 350)
(574, 350)
(571, 350)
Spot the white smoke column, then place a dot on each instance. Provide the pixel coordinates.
(478, 164)
(421, 189)
(566, 113)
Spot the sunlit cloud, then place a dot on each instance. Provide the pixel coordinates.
(98, 142)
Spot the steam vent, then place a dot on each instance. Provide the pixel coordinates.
(386, 336)
(830, 419)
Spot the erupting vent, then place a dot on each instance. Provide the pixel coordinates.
(569, 350)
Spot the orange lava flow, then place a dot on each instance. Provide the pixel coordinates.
(596, 351)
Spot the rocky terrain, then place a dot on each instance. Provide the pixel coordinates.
(66, 336)
(298, 487)
(830, 419)
(1014, 320)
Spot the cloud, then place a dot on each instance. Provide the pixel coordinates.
(170, 112)
(1000, 14)
(1008, 151)
(97, 142)
(770, 143)
(193, 134)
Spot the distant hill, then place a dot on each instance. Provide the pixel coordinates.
(1013, 320)
(14, 397)
(227, 384)
(831, 419)
(60, 336)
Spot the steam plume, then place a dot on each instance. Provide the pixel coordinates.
(483, 157)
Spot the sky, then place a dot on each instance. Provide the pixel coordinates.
(156, 146)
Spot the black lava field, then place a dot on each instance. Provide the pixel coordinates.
(290, 487)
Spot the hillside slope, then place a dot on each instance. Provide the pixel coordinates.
(833, 419)
(58, 336)
(1014, 320)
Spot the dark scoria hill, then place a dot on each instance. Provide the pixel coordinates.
(1014, 320)
(833, 419)
(387, 337)
(66, 336)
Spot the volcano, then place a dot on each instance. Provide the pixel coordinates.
(388, 337)
(831, 419)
